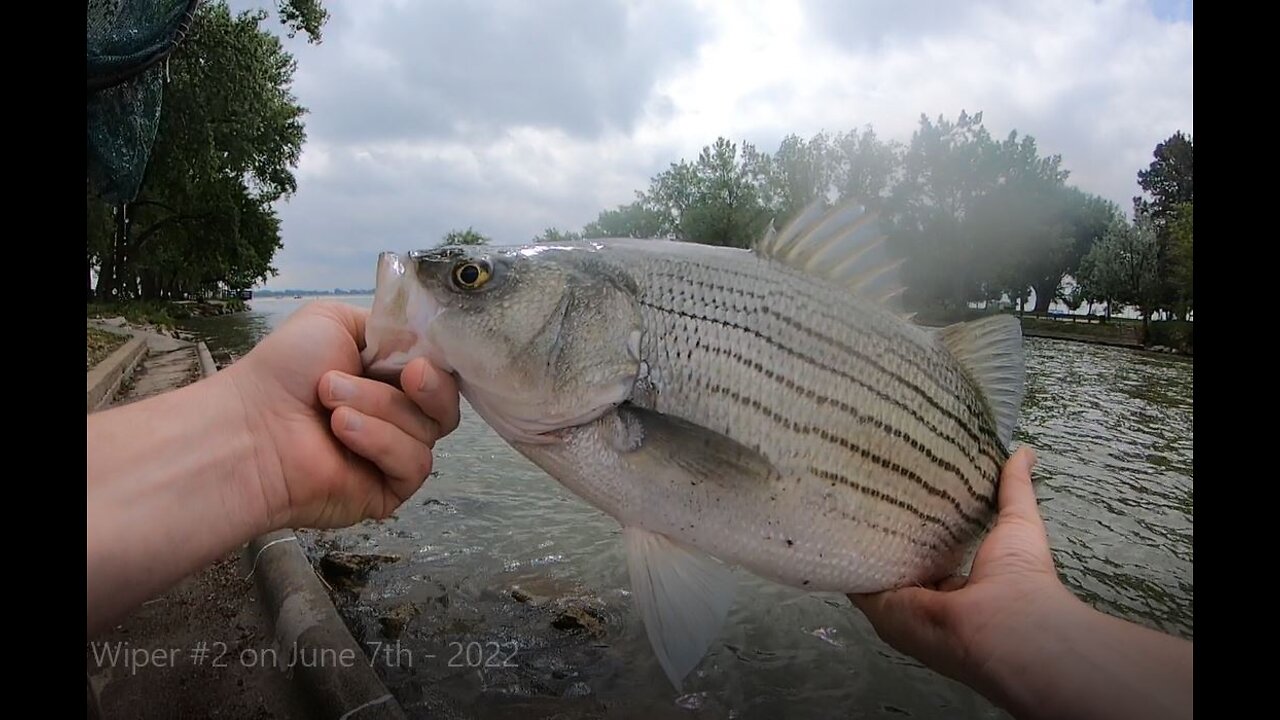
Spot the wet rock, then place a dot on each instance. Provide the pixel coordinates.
(394, 620)
(541, 590)
(579, 618)
(349, 569)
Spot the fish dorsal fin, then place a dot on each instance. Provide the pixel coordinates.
(683, 596)
(843, 245)
(990, 350)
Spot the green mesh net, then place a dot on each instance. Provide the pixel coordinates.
(126, 46)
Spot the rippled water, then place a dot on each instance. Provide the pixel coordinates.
(1113, 431)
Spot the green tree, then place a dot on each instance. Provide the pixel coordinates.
(1181, 258)
(976, 217)
(863, 166)
(636, 220)
(556, 235)
(794, 176)
(229, 137)
(463, 237)
(1167, 184)
(712, 200)
(1123, 267)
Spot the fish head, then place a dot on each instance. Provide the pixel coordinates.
(538, 340)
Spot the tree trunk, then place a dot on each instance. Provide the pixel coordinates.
(1146, 327)
(150, 288)
(1044, 296)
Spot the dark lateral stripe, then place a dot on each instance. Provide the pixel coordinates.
(836, 478)
(986, 444)
(851, 446)
(928, 365)
(981, 440)
(943, 464)
(947, 437)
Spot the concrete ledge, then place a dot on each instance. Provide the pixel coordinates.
(106, 377)
(207, 365)
(331, 672)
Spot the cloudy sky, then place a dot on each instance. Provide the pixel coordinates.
(513, 116)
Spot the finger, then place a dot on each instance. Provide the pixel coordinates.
(434, 391)
(953, 583)
(1017, 495)
(379, 400)
(405, 461)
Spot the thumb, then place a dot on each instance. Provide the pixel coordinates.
(1017, 495)
(434, 391)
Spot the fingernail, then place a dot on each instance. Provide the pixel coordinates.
(354, 420)
(341, 388)
(429, 379)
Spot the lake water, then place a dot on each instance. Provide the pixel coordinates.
(1113, 432)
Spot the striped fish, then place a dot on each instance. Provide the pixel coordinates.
(770, 409)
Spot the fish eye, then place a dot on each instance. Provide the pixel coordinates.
(471, 275)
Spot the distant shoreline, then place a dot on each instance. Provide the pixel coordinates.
(1118, 332)
(293, 295)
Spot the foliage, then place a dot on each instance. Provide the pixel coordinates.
(230, 135)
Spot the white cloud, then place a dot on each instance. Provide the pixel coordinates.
(513, 121)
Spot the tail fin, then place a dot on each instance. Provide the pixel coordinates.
(990, 350)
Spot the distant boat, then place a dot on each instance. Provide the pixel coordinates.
(297, 297)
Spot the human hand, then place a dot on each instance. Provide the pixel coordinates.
(333, 448)
(959, 626)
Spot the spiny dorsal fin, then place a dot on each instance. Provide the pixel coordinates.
(843, 245)
(990, 350)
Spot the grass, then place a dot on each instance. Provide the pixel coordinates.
(101, 344)
(138, 312)
(162, 313)
(1120, 330)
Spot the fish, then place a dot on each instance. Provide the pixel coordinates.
(772, 409)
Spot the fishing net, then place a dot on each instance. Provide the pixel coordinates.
(126, 47)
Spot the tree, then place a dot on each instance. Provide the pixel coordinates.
(463, 237)
(1039, 232)
(1168, 180)
(863, 166)
(1168, 185)
(976, 217)
(712, 200)
(556, 235)
(230, 134)
(797, 174)
(632, 221)
(1123, 267)
(1181, 257)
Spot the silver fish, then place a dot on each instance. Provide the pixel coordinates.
(770, 409)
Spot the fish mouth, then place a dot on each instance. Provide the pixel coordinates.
(396, 330)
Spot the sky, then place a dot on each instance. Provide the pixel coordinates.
(510, 117)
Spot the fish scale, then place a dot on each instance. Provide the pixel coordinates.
(689, 373)
(769, 409)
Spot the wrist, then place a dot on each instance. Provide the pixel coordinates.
(258, 478)
(1035, 661)
(170, 488)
